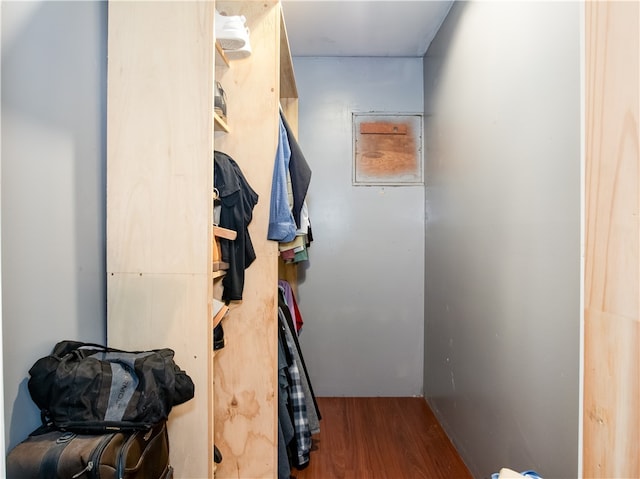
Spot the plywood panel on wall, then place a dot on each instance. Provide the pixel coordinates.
(159, 136)
(148, 311)
(612, 242)
(159, 207)
(246, 388)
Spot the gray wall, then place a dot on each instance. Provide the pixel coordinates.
(53, 188)
(502, 329)
(363, 297)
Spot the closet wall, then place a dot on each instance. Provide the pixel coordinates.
(362, 299)
(53, 135)
(502, 311)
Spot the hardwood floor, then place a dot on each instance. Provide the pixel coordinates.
(381, 438)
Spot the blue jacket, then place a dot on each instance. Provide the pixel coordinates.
(282, 226)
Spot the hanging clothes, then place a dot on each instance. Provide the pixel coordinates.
(305, 223)
(299, 171)
(286, 431)
(301, 443)
(291, 304)
(282, 226)
(313, 412)
(238, 200)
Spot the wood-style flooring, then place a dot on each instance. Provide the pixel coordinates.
(380, 438)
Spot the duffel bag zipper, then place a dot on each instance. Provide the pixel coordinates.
(87, 468)
(95, 458)
(121, 462)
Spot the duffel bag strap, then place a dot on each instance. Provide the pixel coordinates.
(67, 346)
(49, 465)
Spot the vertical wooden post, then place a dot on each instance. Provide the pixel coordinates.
(246, 385)
(612, 254)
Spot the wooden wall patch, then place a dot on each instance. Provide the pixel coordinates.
(387, 149)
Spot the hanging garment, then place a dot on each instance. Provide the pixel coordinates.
(238, 200)
(299, 171)
(312, 419)
(288, 255)
(298, 408)
(291, 304)
(294, 251)
(282, 226)
(301, 255)
(305, 224)
(286, 431)
(313, 412)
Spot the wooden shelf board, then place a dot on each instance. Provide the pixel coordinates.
(219, 273)
(221, 58)
(219, 123)
(226, 233)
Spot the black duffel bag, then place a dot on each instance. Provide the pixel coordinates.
(87, 387)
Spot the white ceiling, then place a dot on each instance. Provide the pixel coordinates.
(362, 28)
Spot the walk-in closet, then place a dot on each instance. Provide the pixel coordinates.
(372, 261)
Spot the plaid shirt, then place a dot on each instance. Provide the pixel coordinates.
(300, 419)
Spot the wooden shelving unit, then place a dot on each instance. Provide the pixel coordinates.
(159, 217)
(246, 369)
